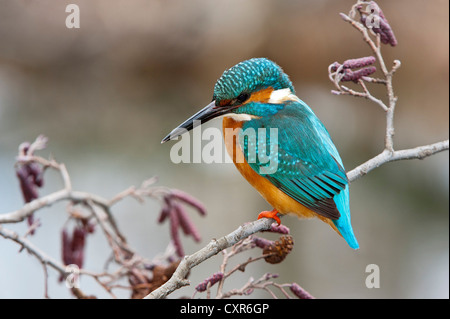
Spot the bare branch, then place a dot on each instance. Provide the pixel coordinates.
(40, 255)
(336, 75)
(48, 200)
(179, 280)
(29, 246)
(385, 157)
(143, 275)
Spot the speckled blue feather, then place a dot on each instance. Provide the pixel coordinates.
(250, 76)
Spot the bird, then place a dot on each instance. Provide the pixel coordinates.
(309, 180)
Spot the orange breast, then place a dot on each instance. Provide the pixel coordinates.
(283, 203)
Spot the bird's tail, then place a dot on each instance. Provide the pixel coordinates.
(343, 224)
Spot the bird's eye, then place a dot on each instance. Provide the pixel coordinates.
(243, 97)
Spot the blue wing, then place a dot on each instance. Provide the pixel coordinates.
(308, 166)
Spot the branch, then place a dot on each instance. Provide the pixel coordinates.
(142, 274)
(386, 156)
(48, 200)
(343, 72)
(215, 246)
(41, 256)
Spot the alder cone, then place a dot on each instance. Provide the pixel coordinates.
(278, 251)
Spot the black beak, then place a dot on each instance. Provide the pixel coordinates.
(204, 115)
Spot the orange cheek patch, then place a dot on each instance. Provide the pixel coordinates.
(260, 96)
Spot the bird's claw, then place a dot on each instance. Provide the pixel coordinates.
(270, 214)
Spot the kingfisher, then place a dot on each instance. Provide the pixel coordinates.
(309, 180)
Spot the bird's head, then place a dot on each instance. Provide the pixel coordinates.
(252, 88)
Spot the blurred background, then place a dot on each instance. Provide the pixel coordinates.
(107, 93)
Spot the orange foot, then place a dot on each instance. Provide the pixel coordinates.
(270, 214)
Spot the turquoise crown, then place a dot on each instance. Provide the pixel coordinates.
(250, 76)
